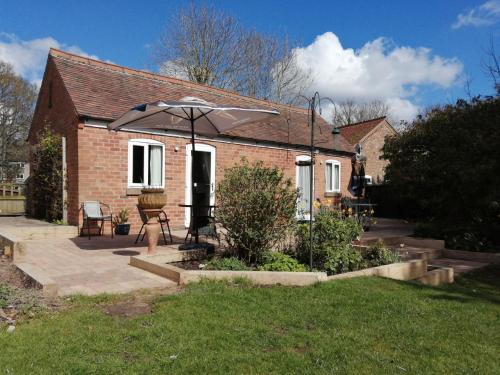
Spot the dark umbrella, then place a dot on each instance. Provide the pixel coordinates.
(357, 181)
(193, 114)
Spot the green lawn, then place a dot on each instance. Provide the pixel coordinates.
(358, 326)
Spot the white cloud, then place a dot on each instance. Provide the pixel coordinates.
(379, 70)
(28, 56)
(484, 15)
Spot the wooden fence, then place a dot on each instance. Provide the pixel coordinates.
(12, 199)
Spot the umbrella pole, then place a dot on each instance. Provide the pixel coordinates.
(194, 224)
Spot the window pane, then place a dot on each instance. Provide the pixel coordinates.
(329, 184)
(336, 177)
(155, 166)
(138, 164)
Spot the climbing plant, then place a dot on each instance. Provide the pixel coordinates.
(44, 187)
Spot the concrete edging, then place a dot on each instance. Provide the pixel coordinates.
(410, 270)
(158, 264)
(39, 279)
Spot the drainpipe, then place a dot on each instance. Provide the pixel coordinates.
(64, 179)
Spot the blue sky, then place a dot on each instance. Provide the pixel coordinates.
(410, 53)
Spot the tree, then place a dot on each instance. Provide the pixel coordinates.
(349, 112)
(210, 47)
(445, 168)
(492, 65)
(17, 100)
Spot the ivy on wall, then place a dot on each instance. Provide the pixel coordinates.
(45, 185)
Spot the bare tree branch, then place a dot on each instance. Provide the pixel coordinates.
(17, 99)
(208, 46)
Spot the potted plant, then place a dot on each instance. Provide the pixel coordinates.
(122, 227)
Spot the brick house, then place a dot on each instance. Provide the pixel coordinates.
(80, 96)
(371, 136)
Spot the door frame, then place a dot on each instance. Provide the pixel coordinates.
(187, 187)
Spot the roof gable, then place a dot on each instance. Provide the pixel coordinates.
(106, 91)
(354, 133)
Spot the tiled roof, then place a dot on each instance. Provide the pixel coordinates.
(106, 91)
(354, 133)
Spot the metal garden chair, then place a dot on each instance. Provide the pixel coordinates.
(92, 211)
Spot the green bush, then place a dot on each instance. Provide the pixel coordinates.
(256, 207)
(444, 169)
(342, 258)
(278, 261)
(331, 232)
(226, 264)
(379, 254)
(45, 185)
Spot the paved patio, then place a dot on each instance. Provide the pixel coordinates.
(82, 266)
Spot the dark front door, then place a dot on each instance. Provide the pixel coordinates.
(201, 177)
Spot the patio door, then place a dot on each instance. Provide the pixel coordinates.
(303, 183)
(204, 178)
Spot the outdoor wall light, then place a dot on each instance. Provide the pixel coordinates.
(335, 131)
(176, 148)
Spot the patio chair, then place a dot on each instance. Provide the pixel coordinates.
(92, 211)
(162, 220)
(208, 229)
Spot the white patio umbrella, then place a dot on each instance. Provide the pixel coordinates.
(193, 114)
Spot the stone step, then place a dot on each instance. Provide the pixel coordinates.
(459, 266)
(437, 275)
(45, 232)
(410, 252)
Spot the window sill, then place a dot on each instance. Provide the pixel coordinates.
(333, 194)
(133, 191)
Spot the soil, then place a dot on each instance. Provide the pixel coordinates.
(18, 299)
(188, 264)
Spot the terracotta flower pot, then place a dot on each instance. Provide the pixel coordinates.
(152, 198)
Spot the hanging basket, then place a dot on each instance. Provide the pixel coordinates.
(152, 198)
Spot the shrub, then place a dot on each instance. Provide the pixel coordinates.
(379, 254)
(45, 185)
(331, 231)
(226, 264)
(277, 261)
(342, 258)
(443, 168)
(256, 207)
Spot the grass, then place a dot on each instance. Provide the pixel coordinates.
(359, 326)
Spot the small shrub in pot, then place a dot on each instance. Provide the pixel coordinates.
(121, 225)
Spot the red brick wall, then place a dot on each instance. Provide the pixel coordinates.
(103, 168)
(62, 119)
(372, 146)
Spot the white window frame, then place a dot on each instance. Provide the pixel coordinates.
(144, 143)
(333, 163)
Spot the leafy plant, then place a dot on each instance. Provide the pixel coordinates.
(378, 255)
(278, 261)
(226, 264)
(331, 231)
(122, 217)
(5, 294)
(256, 207)
(45, 185)
(342, 258)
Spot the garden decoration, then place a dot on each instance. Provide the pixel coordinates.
(314, 102)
